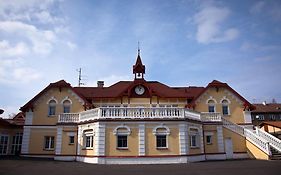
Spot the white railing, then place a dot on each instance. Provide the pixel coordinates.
(211, 117)
(258, 141)
(233, 126)
(68, 118)
(273, 141)
(139, 113)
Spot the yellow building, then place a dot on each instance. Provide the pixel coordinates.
(140, 122)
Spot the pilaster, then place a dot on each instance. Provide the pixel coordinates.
(25, 140)
(141, 139)
(59, 140)
(220, 139)
(183, 139)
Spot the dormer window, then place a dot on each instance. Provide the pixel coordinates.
(211, 106)
(66, 106)
(52, 107)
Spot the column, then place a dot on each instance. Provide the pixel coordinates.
(201, 139)
(59, 140)
(99, 140)
(183, 139)
(220, 139)
(141, 139)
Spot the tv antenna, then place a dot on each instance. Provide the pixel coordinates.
(80, 77)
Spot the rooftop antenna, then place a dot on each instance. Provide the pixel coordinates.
(138, 48)
(80, 77)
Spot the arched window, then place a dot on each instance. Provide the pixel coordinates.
(225, 107)
(66, 106)
(52, 107)
(122, 133)
(88, 139)
(194, 137)
(161, 133)
(211, 106)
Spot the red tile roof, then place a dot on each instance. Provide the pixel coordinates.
(272, 123)
(267, 108)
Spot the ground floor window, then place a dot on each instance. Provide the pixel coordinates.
(49, 142)
(16, 143)
(194, 137)
(71, 140)
(4, 140)
(122, 141)
(89, 141)
(161, 141)
(209, 139)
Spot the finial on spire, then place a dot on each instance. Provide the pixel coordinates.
(138, 48)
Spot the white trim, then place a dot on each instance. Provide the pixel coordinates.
(25, 140)
(66, 98)
(197, 158)
(52, 98)
(59, 141)
(215, 157)
(183, 139)
(220, 138)
(141, 139)
(41, 127)
(225, 98)
(208, 133)
(201, 139)
(123, 126)
(71, 133)
(38, 156)
(99, 139)
(28, 118)
(154, 131)
(65, 158)
(247, 117)
(211, 98)
(241, 156)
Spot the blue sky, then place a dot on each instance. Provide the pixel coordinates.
(183, 43)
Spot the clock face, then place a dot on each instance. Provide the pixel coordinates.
(139, 90)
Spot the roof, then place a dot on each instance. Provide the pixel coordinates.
(17, 120)
(272, 123)
(123, 88)
(58, 84)
(218, 84)
(267, 108)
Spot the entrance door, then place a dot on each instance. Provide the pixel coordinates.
(228, 148)
(4, 140)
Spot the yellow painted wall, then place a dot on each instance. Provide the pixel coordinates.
(40, 115)
(37, 140)
(111, 142)
(238, 141)
(236, 109)
(255, 152)
(211, 148)
(68, 149)
(173, 142)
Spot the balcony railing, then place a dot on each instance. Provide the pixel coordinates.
(138, 113)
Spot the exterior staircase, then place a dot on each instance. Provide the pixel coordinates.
(261, 139)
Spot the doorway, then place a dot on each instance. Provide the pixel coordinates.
(228, 148)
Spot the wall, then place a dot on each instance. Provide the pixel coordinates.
(255, 152)
(211, 148)
(238, 141)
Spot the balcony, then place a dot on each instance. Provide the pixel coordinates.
(137, 113)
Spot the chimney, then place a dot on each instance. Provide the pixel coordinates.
(264, 103)
(100, 84)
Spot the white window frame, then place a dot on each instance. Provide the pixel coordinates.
(193, 134)
(124, 133)
(49, 139)
(16, 143)
(90, 134)
(5, 151)
(225, 105)
(70, 143)
(66, 106)
(52, 105)
(166, 133)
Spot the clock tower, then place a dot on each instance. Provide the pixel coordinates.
(139, 68)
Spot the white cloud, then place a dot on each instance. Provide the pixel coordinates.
(249, 46)
(7, 50)
(257, 7)
(208, 21)
(71, 45)
(41, 40)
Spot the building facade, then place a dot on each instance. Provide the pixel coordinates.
(140, 122)
(266, 112)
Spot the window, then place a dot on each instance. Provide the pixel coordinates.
(225, 109)
(161, 133)
(52, 107)
(16, 143)
(49, 142)
(209, 139)
(272, 117)
(194, 137)
(88, 138)
(66, 106)
(161, 141)
(260, 117)
(122, 133)
(211, 106)
(122, 141)
(71, 140)
(89, 141)
(4, 140)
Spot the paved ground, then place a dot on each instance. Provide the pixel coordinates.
(50, 167)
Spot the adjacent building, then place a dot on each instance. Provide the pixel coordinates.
(266, 112)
